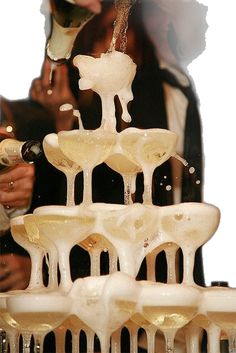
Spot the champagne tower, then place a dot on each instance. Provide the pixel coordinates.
(101, 306)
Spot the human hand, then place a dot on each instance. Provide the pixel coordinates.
(92, 5)
(53, 96)
(16, 185)
(15, 271)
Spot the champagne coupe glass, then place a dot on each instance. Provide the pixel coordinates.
(37, 314)
(65, 227)
(111, 299)
(169, 307)
(87, 148)
(9, 333)
(220, 307)
(57, 158)
(148, 148)
(189, 225)
(35, 251)
(129, 228)
(109, 76)
(50, 251)
(126, 168)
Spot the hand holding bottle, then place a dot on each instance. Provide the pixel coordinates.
(16, 186)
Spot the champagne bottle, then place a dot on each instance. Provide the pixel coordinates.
(224, 342)
(67, 20)
(13, 151)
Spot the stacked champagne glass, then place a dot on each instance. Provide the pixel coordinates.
(102, 305)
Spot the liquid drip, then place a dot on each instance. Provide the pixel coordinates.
(182, 160)
(121, 24)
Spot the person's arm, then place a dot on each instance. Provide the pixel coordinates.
(53, 97)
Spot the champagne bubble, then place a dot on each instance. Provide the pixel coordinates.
(191, 170)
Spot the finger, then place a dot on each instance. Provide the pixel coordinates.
(17, 172)
(24, 184)
(16, 198)
(46, 73)
(61, 77)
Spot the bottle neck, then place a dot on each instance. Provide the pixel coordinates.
(31, 151)
(13, 152)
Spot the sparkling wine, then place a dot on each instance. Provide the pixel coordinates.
(166, 317)
(38, 321)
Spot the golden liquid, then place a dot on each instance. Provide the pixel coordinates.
(168, 317)
(59, 160)
(122, 165)
(65, 227)
(7, 318)
(150, 148)
(202, 321)
(226, 320)
(87, 148)
(126, 305)
(38, 321)
(140, 320)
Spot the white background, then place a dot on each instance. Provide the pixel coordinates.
(22, 45)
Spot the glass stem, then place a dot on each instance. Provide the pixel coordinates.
(147, 194)
(36, 278)
(188, 266)
(70, 180)
(26, 342)
(64, 266)
(151, 340)
(90, 340)
(232, 342)
(3, 341)
(75, 342)
(127, 179)
(105, 343)
(38, 346)
(170, 252)
(115, 342)
(169, 339)
(13, 341)
(87, 199)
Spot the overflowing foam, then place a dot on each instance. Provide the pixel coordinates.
(110, 75)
